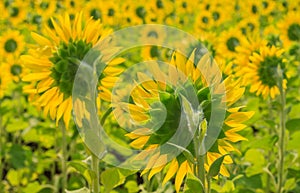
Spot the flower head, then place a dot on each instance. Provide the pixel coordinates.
(54, 63)
(152, 89)
(261, 72)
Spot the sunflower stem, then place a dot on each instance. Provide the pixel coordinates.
(95, 169)
(105, 115)
(281, 133)
(64, 155)
(269, 153)
(201, 170)
(200, 160)
(208, 185)
(1, 165)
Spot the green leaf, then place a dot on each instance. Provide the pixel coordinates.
(32, 188)
(16, 125)
(246, 184)
(187, 154)
(256, 160)
(94, 143)
(293, 143)
(293, 125)
(215, 167)
(114, 177)
(82, 168)
(13, 177)
(290, 184)
(81, 190)
(132, 186)
(192, 184)
(18, 156)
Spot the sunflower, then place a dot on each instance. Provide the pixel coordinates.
(133, 13)
(144, 97)
(54, 63)
(5, 78)
(16, 68)
(229, 40)
(261, 71)
(158, 10)
(249, 26)
(247, 47)
(12, 43)
(250, 8)
(111, 13)
(42, 11)
(185, 6)
(93, 9)
(204, 20)
(290, 29)
(15, 12)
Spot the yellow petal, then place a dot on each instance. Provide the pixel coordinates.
(182, 171)
(67, 114)
(36, 76)
(158, 166)
(140, 142)
(116, 61)
(171, 171)
(40, 39)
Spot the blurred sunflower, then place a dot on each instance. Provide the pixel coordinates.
(111, 13)
(249, 26)
(261, 71)
(158, 10)
(12, 43)
(204, 20)
(185, 6)
(133, 13)
(250, 8)
(229, 40)
(16, 11)
(93, 9)
(245, 50)
(42, 11)
(16, 69)
(148, 92)
(290, 29)
(5, 79)
(54, 63)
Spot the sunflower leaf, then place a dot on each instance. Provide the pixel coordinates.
(215, 167)
(193, 184)
(189, 156)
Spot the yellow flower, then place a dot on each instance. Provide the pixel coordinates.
(12, 44)
(15, 12)
(229, 40)
(290, 29)
(261, 71)
(54, 63)
(249, 26)
(5, 78)
(247, 47)
(150, 90)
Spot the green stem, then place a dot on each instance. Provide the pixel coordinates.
(199, 164)
(201, 169)
(1, 165)
(95, 169)
(268, 158)
(200, 159)
(208, 185)
(106, 114)
(64, 155)
(281, 136)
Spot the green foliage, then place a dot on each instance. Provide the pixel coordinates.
(192, 184)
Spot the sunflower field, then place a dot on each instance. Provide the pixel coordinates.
(162, 96)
